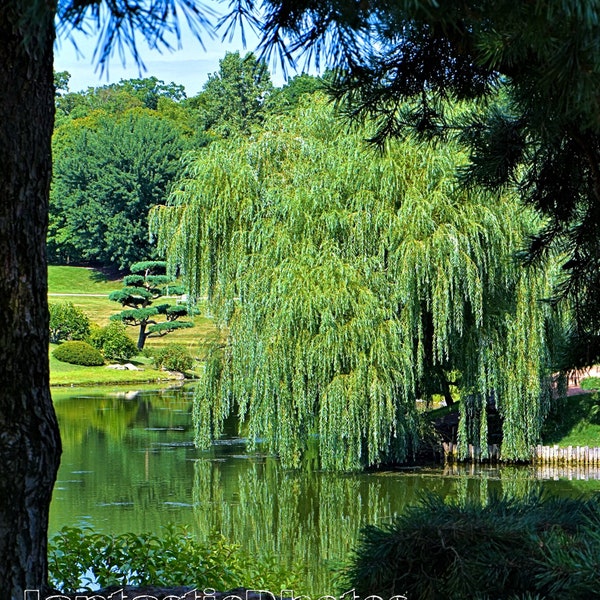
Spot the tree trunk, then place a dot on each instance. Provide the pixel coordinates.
(446, 390)
(142, 336)
(29, 437)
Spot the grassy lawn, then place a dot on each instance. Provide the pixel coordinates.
(65, 374)
(79, 280)
(88, 290)
(574, 421)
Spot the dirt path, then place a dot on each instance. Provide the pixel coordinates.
(574, 387)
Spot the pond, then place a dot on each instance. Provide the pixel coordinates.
(129, 464)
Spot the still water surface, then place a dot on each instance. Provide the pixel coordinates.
(129, 464)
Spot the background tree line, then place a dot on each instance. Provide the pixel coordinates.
(117, 150)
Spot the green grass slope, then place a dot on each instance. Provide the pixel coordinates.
(88, 290)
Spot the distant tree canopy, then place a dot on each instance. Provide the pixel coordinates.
(113, 98)
(236, 97)
(109, 169)
(117, 147)
(344, 280)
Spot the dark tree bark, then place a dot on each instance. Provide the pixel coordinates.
(29, 437)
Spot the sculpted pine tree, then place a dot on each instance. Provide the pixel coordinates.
(148, 283)
(342, 278)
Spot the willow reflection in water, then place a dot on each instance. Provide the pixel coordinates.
(129, 465)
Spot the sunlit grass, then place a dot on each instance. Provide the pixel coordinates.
(574, 421)
(78, 283)
(79, 280)
(88, 290)
(62, 373)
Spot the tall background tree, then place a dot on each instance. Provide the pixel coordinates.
(29, 436)
(109, 170)
(345, 281)
(235, 98)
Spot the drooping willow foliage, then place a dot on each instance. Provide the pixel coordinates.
(343, 279)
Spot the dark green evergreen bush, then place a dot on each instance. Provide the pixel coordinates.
(507, 549)
(79, 353)
(67, 322)
(113, 342)
(173, 357)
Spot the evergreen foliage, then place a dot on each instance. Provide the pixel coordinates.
(506, 549)
(79, 353)
(147, 283)
(67, 322)
(342, 279)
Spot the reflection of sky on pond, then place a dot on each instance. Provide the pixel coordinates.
(129, 464)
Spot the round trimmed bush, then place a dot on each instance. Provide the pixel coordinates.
(67, 322)
(173, 357)
(113, 342)
(79, 353)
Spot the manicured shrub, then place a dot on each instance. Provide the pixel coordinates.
(79, 353)
(67, 322)
(506, 549)
(173, 357)
(113, 342)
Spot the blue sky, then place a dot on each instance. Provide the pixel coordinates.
(188, 66)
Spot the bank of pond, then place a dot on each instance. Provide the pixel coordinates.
(129, 465)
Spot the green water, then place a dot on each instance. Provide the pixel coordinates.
(129, 464)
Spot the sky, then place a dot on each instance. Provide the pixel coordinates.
(189, 66)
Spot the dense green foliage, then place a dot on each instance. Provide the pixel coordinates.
(533, 70)
(146, 284)
(80, 557)
(345, 280)
(113, 342)
(79, 353)
(67, 322)
(173, 357)
(505, 549)
(235, 98)
(116, 149)
(109, 169)
(113, 98)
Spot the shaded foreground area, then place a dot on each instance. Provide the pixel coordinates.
(506, 548)
(530, 548)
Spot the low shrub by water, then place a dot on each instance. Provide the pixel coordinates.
(173, 357)
(82, 560)
(113, 342)
(79, 353)
(506, 549)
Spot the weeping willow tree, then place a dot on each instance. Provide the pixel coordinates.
(344, 281)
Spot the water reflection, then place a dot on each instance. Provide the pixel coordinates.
(129, 465)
